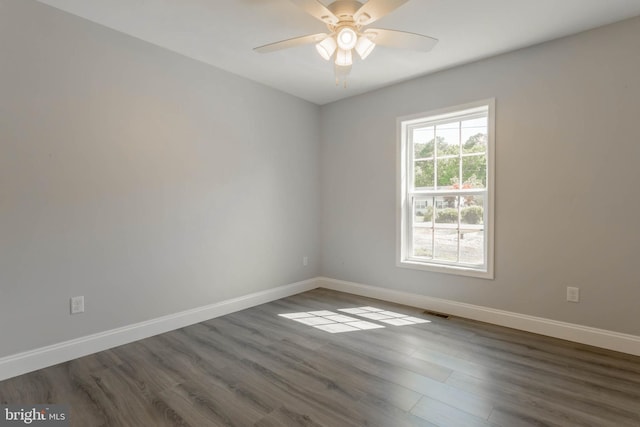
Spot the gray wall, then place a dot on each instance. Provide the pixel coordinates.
(567, 147)
(145, 181)
(151, 183)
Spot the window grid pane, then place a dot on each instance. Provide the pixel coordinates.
(424, 174)
(422, 139)
(448, 172)
(446, 245)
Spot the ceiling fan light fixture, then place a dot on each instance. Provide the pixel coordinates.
(327, 47)
(346, 21)
(344, 58)
(347, 38)
(364, 46)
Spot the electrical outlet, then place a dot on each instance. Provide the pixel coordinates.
(77, 305)
(573, 294)
(305, 260)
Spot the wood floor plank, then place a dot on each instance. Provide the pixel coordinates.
(124, 402)
(553, 351)
(441, 414)
(286, 417)
(424, 385)
(371, 385)
(591, 398)
(202, 402)
(256, 368)
(291, 368)
(510, 398)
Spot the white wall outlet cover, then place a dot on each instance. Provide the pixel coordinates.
(573, 294)
(77, 305)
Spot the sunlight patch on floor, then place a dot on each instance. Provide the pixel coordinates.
(331, 322)
(336, 323)
(384, 316)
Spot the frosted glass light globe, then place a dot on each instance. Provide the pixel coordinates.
(347, 39)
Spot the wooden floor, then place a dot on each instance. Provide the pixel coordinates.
(256, 368)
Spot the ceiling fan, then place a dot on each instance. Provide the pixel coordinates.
(345, 20)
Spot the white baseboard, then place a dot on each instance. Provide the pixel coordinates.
(32, 360)
(624, 343)
(43, 357)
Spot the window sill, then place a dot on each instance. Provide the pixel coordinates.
(446, 269)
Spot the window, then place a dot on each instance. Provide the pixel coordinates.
(445, 190)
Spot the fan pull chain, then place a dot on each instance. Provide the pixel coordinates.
(341, 73)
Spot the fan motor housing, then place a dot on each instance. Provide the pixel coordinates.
(344, 9)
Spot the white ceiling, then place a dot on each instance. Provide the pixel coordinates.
(223, 32)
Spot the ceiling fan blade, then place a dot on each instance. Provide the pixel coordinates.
(317, 10)
(401, 39)
(286, 44)
(375, 9)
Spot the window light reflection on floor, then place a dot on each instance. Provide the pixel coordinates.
(384, 316)
(336, 323)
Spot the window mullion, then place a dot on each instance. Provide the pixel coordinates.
(460, 184)
(410, 219)
(435, 159)
(452, 193)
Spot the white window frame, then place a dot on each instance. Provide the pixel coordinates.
(404, 208)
